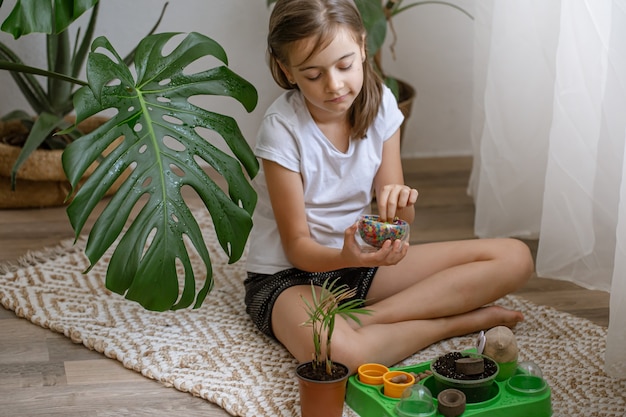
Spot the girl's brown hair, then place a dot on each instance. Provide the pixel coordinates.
(295, 20)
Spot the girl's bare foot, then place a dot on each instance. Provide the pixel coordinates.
(487, 317)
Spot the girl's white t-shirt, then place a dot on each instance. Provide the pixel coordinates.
(337, 186)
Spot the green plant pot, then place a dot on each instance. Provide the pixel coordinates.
(475, 390)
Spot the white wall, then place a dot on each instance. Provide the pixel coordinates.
(434, 54)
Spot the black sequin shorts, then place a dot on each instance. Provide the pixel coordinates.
(262, 290)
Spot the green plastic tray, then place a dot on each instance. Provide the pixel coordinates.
(504, 401)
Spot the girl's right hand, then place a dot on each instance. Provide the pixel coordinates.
(389, 254)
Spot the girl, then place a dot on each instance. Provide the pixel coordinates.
(327, 145)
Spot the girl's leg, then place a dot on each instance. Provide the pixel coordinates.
(436, 292)
(388, 344)
(288, 315)
(447, 279)
(381, 343)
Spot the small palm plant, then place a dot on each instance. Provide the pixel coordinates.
(331, 301)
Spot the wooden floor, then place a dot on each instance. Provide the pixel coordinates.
(44, 374)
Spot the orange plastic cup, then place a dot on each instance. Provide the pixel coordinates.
(372, 373)
(395, 389)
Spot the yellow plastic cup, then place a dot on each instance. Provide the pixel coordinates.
(372, 373)
(395, 389)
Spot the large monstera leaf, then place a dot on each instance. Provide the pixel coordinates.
(160, 152)
(44, 16)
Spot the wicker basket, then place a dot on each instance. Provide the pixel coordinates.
(41, 181)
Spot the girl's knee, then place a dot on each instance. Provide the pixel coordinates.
(348, 352)
(519, 260)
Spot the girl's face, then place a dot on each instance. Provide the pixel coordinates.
(331, 79)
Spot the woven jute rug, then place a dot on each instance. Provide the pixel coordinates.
(217, 354)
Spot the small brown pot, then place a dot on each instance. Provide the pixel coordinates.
(322, 398)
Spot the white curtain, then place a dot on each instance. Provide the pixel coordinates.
(548, 132)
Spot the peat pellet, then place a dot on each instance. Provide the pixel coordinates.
(451, 402)
(470, 366)
(400, 379)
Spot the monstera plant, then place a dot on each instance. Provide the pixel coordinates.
(152, 109)
(152, 140)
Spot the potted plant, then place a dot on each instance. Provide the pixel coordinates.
(29, 148)
(377, 18)
(471, 373)
(159, 154)
(322, 382)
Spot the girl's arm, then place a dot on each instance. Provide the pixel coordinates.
(286, 195)
(287, 198)
(394, 199)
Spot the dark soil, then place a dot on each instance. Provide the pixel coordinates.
(445, 365)
(318, 373)
(14, 139)
(15, 134)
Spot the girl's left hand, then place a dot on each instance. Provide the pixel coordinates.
(393, 198)
(389, 254)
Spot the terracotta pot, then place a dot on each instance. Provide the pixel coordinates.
(41, 181)
(322, 398)
(405, 103)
